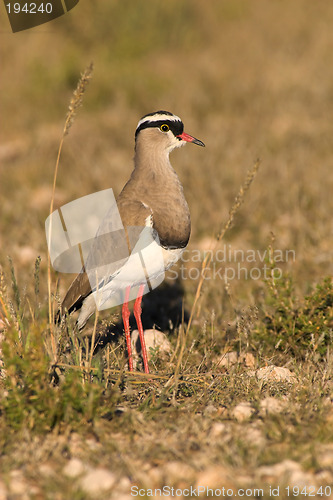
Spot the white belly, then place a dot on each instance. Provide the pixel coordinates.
(145, 266)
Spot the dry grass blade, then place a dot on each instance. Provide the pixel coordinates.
(5, 316)
(75, 103)
(93, 339)
(207, 260)
(252, 172)
(77, 97)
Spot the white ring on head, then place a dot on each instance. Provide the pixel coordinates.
(157, 118)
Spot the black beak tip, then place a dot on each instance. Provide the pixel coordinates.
(199, 143)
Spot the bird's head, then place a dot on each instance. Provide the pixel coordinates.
(163, 130)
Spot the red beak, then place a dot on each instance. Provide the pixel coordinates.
(189, 138)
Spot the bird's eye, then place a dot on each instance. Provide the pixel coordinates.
(164, 127)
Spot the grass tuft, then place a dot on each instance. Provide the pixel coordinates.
(75, 103)
(300, 329)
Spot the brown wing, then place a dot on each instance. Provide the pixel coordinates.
(77, 292)
(106, 249)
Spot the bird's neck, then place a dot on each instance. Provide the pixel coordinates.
(155, 184)
(152, 160)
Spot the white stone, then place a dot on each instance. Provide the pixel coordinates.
(93, 444)
(19, 487)
(209, 410)
(46, 470)
(153, 339)
(217, 429)
(324, 477)
(214, 477)
(231, 358)
(325, 457)
(227, 359)
(271, 405)
(177, 472)
(97, 481)
(301, 479)
(278, 471)
(243, 411)
(74, 468)
(275, 374)
(154, 476)
(254, 437)
(123, 484)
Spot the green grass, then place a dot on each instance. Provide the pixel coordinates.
(293, 328)
(43, 397)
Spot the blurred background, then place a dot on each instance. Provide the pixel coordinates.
(250, 79)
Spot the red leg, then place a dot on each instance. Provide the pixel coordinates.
(137, 314)
(126, 315)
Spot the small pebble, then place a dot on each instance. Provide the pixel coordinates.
(217, 429)
(214, 477)
(97, 481)
(154, 339)
(275, 374)
(271, 405)
(74, 468)
(243, 411)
